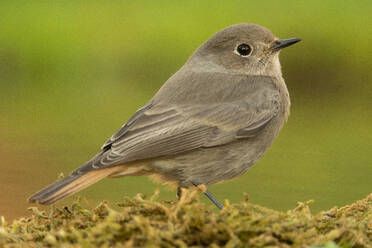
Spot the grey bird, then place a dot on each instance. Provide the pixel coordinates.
(210, 122)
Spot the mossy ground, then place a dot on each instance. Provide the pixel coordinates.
(144, 222)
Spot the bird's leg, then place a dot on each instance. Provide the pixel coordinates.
(204, 189)
(179, 192)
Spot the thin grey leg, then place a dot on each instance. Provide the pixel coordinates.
(210, 196)
(179, 192)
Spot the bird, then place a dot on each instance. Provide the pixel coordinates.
(208, 123)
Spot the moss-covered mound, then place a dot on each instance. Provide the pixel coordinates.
(189, 223)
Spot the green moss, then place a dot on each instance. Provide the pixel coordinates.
(150, 223)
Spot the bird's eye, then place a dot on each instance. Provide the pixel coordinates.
(244, 50)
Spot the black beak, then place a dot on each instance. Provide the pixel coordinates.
(279, 44)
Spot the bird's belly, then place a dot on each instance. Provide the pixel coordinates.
(210, 165)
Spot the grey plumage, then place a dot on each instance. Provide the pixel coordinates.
(209, 122)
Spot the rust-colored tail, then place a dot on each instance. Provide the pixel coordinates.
(68, 186)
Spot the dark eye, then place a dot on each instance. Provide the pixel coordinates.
(244, 49)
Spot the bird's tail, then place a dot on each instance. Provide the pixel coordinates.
(68, 186)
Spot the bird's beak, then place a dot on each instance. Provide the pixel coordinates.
(279, 44)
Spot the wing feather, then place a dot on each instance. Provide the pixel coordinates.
(163, 129)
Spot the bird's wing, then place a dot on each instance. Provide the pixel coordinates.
(167, 130)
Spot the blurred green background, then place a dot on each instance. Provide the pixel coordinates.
(72, 72)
